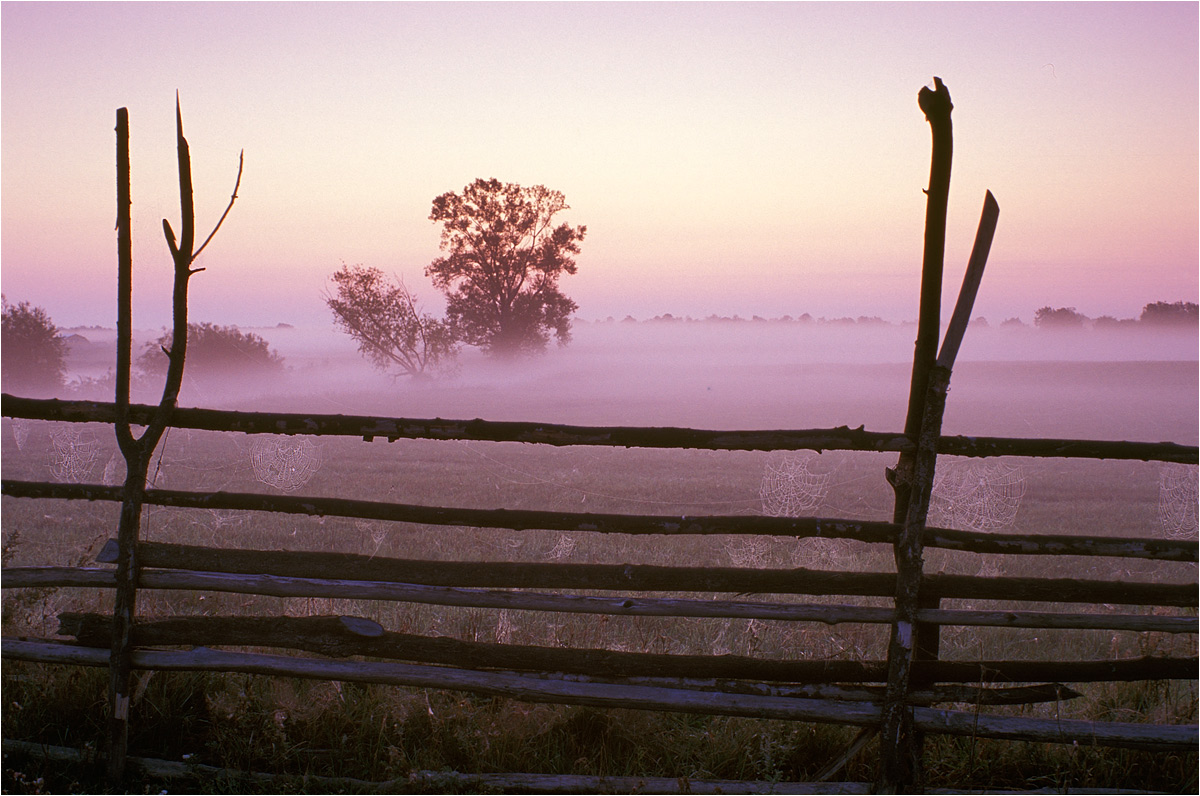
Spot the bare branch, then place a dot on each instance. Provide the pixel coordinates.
(232, 199)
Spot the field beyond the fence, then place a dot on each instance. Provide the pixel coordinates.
(377, 733)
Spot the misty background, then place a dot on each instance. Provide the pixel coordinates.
(1023, 381)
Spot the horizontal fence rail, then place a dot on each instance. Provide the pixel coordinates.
(522, 520)
(282, 586)
(392, 428)
(343, 636)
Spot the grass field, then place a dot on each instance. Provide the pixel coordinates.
(373, 732)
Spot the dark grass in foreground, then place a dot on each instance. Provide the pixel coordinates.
(301, 728)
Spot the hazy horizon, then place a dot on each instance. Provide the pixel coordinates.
(727, 158)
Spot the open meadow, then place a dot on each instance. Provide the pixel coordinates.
(755, 376)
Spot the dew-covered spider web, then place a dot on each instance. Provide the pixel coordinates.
(790, 487)
(976, 495)
(286, 463)
(73, 451)
(1177, 500)
(20, 431)
(376, 530)
(563, 548)
(114, 471)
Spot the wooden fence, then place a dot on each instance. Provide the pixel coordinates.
(839, 692)
(896, 697)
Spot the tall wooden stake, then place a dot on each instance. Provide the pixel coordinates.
(138, 451)
(899, 746)
(937, 106)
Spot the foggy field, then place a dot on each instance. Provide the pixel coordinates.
(751, 376)
(1021, 382)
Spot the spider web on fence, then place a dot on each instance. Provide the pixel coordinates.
(1177, 496)
(563, 548)
(20, 430)
(114, 471)
(791, 489)
(73, 451)
(977, 495)
(284, 462)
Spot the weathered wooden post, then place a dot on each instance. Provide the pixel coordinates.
(912, 480)
(138, 451)
(937, 106)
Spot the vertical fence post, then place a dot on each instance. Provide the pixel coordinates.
(136, 467)
(138, 451)
(937, 106)
(900, 742)
(899, 749)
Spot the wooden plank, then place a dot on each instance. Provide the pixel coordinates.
(369, 427)
(1179, 738)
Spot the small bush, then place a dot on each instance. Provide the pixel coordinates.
(213, 350)
(34, 351)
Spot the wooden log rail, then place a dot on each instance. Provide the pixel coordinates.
(642, 577)
(637, 577)
(93, 630)
(798, 527)
(623, 605)
(1177, 738)
(393, 428)
(345, 636)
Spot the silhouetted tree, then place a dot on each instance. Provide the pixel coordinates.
(384, 318)
(33, 359)
(215, 351)
(1060, 318)
(1180, 313)
(505, 258)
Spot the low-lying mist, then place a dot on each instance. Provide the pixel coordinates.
(1022, 381)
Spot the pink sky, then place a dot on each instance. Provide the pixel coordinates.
(726, 158)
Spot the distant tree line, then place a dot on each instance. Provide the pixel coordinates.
(1159, 315)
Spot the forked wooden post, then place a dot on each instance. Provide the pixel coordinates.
(138, 451)
(900, 741)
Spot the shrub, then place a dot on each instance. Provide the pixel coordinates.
(213, 350)
(33, 351)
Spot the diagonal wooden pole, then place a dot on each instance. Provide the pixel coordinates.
(900, 740)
